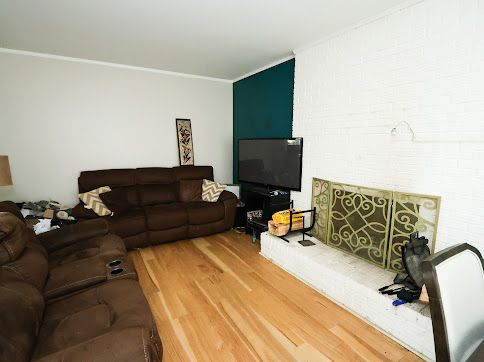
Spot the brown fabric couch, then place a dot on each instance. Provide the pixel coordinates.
(64, 261)
(107, 321)
(160, 204)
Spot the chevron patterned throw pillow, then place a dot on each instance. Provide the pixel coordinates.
(94, 202)
(211, 190)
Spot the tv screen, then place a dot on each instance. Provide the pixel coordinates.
(272, 162)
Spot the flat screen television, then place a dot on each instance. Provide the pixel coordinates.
(275, 162)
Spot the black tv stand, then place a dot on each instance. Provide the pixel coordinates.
(268, 200)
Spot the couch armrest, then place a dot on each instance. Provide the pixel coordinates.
(128, 344)
(11, 207)
(229, 201)
(227, 195)
(70, 234)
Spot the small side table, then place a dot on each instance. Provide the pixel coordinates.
(257, 226)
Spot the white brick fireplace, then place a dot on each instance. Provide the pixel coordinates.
(422, 63)
(419, 68)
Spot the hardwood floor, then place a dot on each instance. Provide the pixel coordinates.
(216, 299)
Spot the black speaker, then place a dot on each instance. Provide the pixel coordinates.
(240, 216)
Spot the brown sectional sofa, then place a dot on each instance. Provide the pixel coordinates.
(95, 313)
(64, 261)
(163, 205)
(72, 294)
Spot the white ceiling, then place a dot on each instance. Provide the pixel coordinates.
(215, 38)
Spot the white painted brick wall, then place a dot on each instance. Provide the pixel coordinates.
(423, 64)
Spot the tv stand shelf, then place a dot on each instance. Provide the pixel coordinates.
(258, 198)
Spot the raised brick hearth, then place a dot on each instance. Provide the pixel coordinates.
(353, 283)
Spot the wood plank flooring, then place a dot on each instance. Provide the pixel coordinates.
(216, 299)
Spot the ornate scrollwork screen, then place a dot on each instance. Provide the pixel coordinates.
(411, 213)
(320, 201)
(371, 223)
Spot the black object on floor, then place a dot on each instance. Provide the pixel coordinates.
(306, 242)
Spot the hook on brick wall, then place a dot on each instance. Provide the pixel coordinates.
(394, 131)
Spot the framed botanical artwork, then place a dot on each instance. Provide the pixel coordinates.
(185, 142)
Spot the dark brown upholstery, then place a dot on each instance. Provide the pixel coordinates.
(168, 216)
(200, 212)
(13, 245)
(166, 204)
(106, 322)
(190, 190)
(62, 261)
(107, 307)
(73, 234)
(11, 207)
(116, 200)
(22, 306)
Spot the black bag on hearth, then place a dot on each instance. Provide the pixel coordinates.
(413, 254)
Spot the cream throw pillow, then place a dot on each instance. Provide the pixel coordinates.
(211, 190)
(94, 202)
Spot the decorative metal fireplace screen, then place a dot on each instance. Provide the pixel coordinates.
(370, 223)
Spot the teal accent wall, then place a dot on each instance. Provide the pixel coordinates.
(263, 105)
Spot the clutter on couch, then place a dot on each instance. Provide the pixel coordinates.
(43, 216)
(47, 210)
(44, 225)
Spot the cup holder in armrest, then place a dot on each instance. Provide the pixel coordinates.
(120, 269)
(114, 263)
(117, 271)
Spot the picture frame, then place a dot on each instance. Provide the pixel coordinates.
(185, 141)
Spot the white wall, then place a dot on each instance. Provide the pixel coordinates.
(58, 118)
(424, 64)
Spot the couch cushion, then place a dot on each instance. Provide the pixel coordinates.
(99, 317)
(190, 190)
(156, 237)
(157, 194)
(22, 306)
(116, 200)
(110, 306)
(155, 175)
(20, 251)
(193, 172)
(32, 266)
(136, 241)
(80, 212)
(195, 231)
(89, 180)
(204, 212)
(129, 223)
(106, 247)
(164, 217)
(133, 344)
(72, 277)
(13, 237)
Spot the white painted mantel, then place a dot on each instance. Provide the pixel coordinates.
(353, 283)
